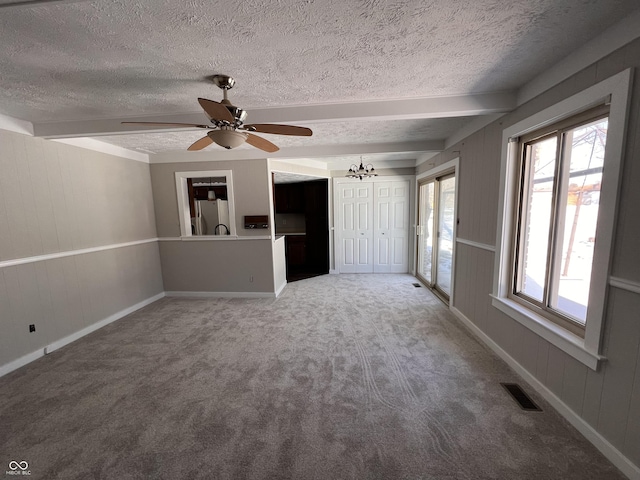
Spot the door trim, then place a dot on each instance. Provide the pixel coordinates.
(452, 166)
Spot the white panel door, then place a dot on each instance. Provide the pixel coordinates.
(355, 211)
(391, 227)
(382, 227)
(400, 227)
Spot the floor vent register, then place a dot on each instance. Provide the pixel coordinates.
(521, 397)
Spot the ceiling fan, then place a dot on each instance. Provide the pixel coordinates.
(228, 129)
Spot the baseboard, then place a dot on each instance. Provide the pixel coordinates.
(221, 294)
(281, 288)
(30, 357)
(608, 450)
(95, 326)
(21, 362)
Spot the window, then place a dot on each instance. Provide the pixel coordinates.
(557, 211)
(205, 204)
(560, 176)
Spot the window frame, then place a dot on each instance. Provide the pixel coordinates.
(182, 194)
(614, 91)
(556, 131)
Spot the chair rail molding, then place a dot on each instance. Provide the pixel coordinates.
(71, 253)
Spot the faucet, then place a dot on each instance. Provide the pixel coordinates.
(215, 230)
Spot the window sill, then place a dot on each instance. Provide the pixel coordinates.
(566, 341)
(207, 238)
(219, 238)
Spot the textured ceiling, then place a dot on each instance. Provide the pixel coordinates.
(80, 60)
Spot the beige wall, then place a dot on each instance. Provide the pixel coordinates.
(229, 266)
(56, 199)
(608, 399)
(65, 295)
(250, 189)
(216, 265)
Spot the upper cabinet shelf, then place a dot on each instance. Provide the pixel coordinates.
(289, 198)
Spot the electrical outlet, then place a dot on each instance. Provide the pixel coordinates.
(32, 328)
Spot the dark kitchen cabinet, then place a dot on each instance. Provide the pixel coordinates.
(296, 251)
(200, 193)
(290, 198)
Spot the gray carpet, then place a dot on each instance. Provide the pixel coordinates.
(342, 377)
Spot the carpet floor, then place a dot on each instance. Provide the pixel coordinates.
(341, 377)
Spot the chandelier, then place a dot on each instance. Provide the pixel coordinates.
(361, 171)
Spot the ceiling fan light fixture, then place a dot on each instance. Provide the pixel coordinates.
(227, 138)
(226, 119)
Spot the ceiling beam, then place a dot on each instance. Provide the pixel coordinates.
(402, 109)
(411, 149)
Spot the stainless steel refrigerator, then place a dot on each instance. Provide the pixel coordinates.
(212, 217)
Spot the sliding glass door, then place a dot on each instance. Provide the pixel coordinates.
(436, 225)
(426, 227)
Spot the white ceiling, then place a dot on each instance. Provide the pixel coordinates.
(385, 78)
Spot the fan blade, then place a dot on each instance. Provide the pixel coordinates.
(279, 129)
(215, 110)
(167, 124)
(200, 144)
(261, 143)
